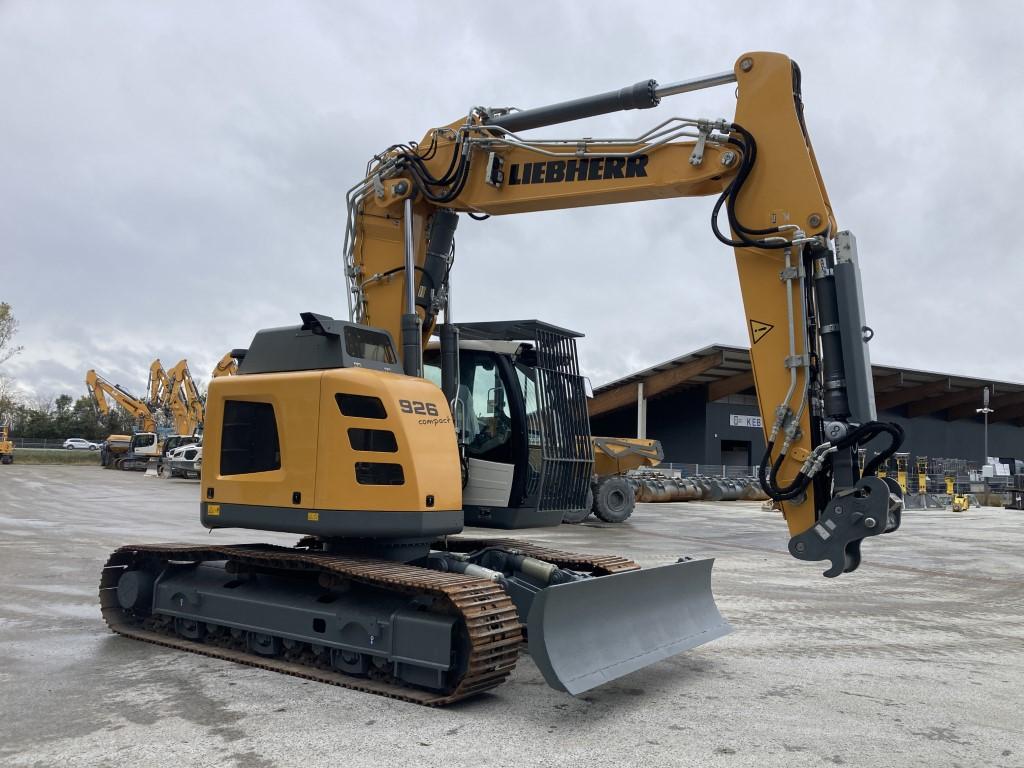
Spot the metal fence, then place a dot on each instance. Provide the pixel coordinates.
(28, 442)
(708, 470)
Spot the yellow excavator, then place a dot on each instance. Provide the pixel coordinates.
(125, 451)
(226, 366)
(174, 392)
(158, 386)
(100, 389)
(152, 439)
(6, 445)
(330, 432)
(185, 402)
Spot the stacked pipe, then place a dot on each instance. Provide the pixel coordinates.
(654, 487)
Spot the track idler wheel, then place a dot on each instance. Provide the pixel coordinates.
(135, 591)
(614, 499)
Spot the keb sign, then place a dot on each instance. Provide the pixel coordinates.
(736, 420)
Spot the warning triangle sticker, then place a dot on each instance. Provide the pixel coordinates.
(759, 330)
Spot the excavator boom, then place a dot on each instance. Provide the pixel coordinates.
(799, 273)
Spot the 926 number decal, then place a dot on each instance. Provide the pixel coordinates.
(418, 407)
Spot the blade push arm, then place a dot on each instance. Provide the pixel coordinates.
(799, 275)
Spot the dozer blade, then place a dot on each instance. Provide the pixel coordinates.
(590, 632)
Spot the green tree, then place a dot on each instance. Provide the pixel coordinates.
(8, 400)
(8, 396)
(84, 421)
(8, 328)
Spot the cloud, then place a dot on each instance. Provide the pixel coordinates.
(172, 177)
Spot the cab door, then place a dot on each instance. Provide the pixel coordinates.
(490, 423)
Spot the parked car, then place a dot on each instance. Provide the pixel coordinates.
(80, 444)
(186, 461)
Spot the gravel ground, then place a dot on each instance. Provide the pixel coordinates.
(915, 660)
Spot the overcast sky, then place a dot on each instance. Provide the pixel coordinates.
(173, 175)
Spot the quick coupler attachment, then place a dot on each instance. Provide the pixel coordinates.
(873, 506)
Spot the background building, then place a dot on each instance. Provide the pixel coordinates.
(702, 408)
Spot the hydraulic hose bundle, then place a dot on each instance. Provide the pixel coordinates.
(860, 435)
(438, 190)
(748, 151)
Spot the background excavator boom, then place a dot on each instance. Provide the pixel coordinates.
(185, 402)
(101, 389)
(158, 386)
(226, 366)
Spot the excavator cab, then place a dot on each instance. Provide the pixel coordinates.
(520, 410)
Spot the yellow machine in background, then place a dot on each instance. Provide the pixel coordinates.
(6, 445)
(124, 451)
(158, 386)
(185, 401)
(618, 455)
(134, 452)
(327, 431)
(612, 498)
(100, 389)
(902, 460)
(226, 366)
(958, 502)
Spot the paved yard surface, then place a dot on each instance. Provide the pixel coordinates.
(915, 660)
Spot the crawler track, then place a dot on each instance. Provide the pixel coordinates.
(492, 627)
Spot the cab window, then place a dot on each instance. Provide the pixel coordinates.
(484, 401)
